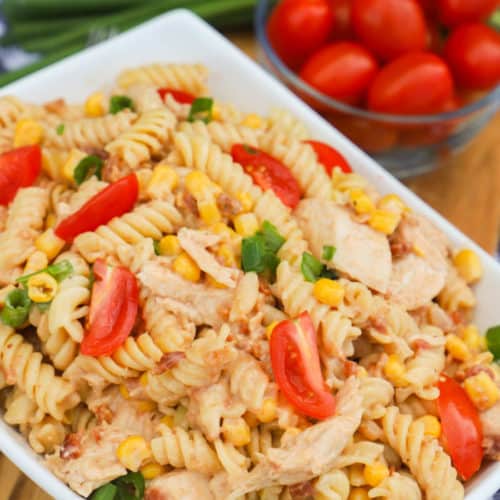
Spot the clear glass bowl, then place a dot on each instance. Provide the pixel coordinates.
(404, 145)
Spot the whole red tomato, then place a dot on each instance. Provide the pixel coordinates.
(473, 53)
(342, 70)
(416, 83)
(390, 28)
(342, 27)
(455, 12)
(297, 28)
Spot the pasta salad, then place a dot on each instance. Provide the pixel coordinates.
(198, 302)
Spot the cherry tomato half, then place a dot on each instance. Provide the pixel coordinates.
(390, 28)
(342, 70)
(416, 83)
(473, 53)
(329, 157)
(18, 168)
(462, 430)
(296, 28)
(455, 12)
(178, 95)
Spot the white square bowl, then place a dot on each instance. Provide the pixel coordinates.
(183, 37)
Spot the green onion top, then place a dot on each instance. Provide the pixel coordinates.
(106, 492)
(60, 129)
(313, 269)
(493, 341)
(58, 271)
(88, 166)
(328, 252)
(16, 309)
(128, 487)
(201, 109)
(156, 246)
(118, 103)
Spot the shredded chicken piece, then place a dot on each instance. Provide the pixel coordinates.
(168, 361)
(179, 485)
(490, 420)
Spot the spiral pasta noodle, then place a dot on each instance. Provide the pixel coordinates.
(397, 487)
(46, 435)
(456, 294)
(333, 485)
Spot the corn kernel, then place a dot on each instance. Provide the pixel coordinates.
(395, 371)
(132, 452)
(198, 183)
(457, 348)
(384, 221)
(472, 337)
(361, 201)
(468, 265)
(143, 379)
(432, 426)
(245, 200)
(50, 221)
(168, 420)
(163, 181)
(169, 245)
(94, 105)
(74, 158)
(226, 255)
(152, 470)
(328, 292)
(482, 390)
(375, 473)
(209, 211)
(270, 328)
(49, 244)
(186, 267)
(268, 411)
(213, 282)
(358, 494)
(236, 431)
(251, 419)
(253, 120)
(356, 475)
(246, 224)
(392, 203)
(124, 391)
(42, 287)
(145, 406)
(216, 113)
(417, 250)
(28, 132)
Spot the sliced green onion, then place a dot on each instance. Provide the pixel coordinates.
(156, 246)
(201, 109)
(311, 267)
(252, 254)
(328, 252)
(106, 492)
(131, 486)
(88, 166)
(16, 309)
(328, 273)
(118, 103)
(272, 239)
(58, 271)
(60, 129)
(493, 341)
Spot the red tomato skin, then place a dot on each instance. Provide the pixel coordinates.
(178, 95)
(416, 83)
(300, 378)
(462, 430)
(342, 25)
(473, 53)
(115, 200)
(329, 157)
(18, 168)
(455, 12)
(342, 70)
(390, 28)
(113, 310)
(268, 173)
(296, 28)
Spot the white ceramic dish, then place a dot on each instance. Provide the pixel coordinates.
(181, 36)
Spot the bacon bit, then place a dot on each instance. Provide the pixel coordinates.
(97, 433)
(379, 323)
(475, 370)
(189, 202)
(103, 414)
(457, 317)
(491, 447)
(168, 361)
(350, 368)
(264, 288)
(400, 248)
(302, 491)
(57, 106)
(227, 205)
(419, 344)
(72, 447)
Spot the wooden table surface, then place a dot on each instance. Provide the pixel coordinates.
(466, 191)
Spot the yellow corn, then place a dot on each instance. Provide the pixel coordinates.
(124, 391)
(270, 328)
(169, 245)
(468, 265)
(457, 347)
(50, 221)
(152, 470)
(395, 371)
(216, 114)
(49, 243)
(472, 338)
(27, 132)
(356, 475)
(482, 390)
(392, 203)
(375, 473)
(384, 221)
(164, 179)
(246, 224)
(209, 211)
(74, 158)
(268, 411)
(143, 379)
(417, 250)
(198, 183)
(42, 287)
(361, 201)
(133, 452)
(213, 282)
(168, 420)
(432, 426)
(245, 200)
(358, 494)
(253, 120)
(145, 406)
(36, 261)
(186, 267)
(226, 255)
(94, 105)
(251, 419)
(236, 431)
(328, 292)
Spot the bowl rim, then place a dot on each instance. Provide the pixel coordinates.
(492, 99)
